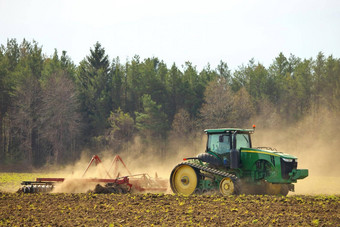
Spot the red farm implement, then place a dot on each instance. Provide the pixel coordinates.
(116, 184)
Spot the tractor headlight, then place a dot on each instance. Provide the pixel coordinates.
(287, 160)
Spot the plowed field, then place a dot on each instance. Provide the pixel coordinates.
(87, 209)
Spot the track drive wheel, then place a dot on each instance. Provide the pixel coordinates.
(183, 179)
(227, 186)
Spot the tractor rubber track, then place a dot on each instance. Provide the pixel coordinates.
(234, 178)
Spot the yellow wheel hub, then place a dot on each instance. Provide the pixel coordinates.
(227, 186)
(184, 180)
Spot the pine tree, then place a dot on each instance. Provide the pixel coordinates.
(94, 83)
(152, 122)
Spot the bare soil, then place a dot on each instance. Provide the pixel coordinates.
(88, 209)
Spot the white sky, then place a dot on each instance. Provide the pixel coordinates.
(177, 30)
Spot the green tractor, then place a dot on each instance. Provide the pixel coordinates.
(231, 165)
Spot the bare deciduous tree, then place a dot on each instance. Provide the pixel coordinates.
(24, 115)
(182, 124)
(217, 110)
(243, 108)
(59, 116)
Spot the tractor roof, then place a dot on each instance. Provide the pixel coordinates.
(222, 130)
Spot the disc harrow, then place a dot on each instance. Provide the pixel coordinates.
(119, 185)
(37, 188)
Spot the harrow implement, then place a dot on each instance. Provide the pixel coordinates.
(125, 184)
(120, 185)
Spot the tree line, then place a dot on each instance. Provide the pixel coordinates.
(52, 109)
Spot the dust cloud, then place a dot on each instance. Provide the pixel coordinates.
(156, 161)
(315, 142)
(71, 185)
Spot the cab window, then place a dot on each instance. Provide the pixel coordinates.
(242, 141)
(219, 143)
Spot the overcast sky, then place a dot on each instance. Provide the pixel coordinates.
(177, 31)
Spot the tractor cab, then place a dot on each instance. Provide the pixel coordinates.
(222, 142)
(223, 146)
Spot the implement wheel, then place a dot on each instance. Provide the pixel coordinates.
(183, 180)
(227, 186)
